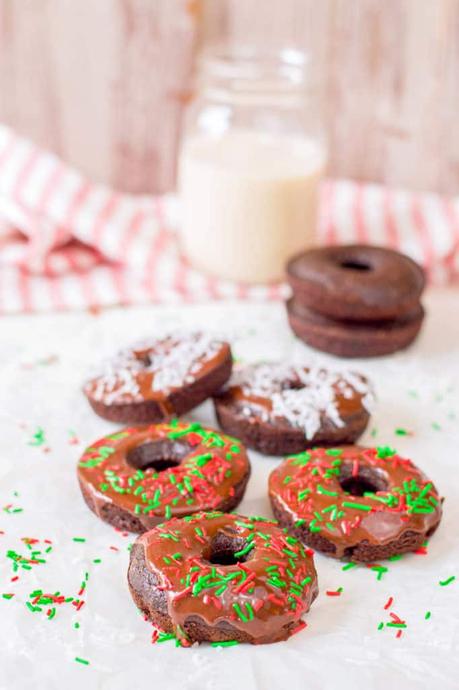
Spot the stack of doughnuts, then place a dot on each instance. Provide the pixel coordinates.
(355, 300)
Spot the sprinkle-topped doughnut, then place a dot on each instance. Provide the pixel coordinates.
(355, 503)
(135, 478)
(220, 578)
(156, 380)
(279, 409)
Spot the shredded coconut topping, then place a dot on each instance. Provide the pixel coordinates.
(173, 361)
(301, 396)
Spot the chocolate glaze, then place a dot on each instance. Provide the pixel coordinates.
(183, 557)
(307, 489)
(320, 405)
(203, 468)
(153, 371)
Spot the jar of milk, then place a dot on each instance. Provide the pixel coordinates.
(251, 161)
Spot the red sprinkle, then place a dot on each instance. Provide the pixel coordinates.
(399, 633)
(330, 593)
(388, 603)
(301, 626)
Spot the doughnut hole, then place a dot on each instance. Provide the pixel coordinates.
(355, 265)
(224, 547)
(158, 455)
(367, 480)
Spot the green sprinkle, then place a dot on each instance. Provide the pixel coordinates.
(396, 625)
(249, 608)
(301, 458)
(427, 616)
(380, 569)
(248, 547)
(334, 451)
(164, 637)
(436, 426)
(203, 459)
(349, 565)
(239, 613)
(448, 581)
(385, 452)
(38, 438)
(76, 625)
(313, 527)
(401, 432)
(79, 539)
(85, 662)
(7, 596)
(381, 626)
(357, 506)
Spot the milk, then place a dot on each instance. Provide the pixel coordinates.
(249, 202)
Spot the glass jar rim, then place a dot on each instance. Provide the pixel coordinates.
(246, 66)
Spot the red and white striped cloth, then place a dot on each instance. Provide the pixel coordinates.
(68, 244)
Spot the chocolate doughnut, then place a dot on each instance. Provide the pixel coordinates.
(279, 409)
(356, 282)
(157, 380)
(135, 478)
(353, 338)
(214, 577)
(355, 503)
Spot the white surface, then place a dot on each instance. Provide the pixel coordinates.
(341, 647)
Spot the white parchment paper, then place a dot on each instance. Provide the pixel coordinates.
(45, 425)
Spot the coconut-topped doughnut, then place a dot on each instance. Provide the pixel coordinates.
(355, 503)
(219, 578)
(156, 380)
(135, 478)
(279, 409)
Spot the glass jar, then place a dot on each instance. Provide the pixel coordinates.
(251, 160)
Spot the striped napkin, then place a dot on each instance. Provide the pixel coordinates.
(66, 243)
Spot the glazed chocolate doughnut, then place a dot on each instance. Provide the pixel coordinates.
(352, 338)
(135, 478)
(214, 577)
(356, 282)
(157, 380)
(355, 503)
(279, 409)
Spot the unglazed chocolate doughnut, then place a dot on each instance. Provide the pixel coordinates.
(356, 282)
(214, 577)
(353, 338)
(157, 380)
(135, 478)
(355, 503)
(279, 409)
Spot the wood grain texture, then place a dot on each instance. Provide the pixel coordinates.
(104, 83)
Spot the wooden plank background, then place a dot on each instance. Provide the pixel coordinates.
(104, 82)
